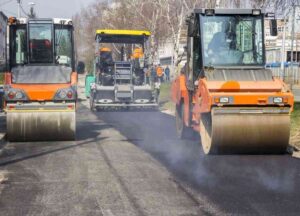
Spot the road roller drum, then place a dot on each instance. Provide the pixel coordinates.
(40, 126)
(245, 130)
(41, 122)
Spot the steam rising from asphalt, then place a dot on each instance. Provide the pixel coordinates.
(236, 178)
(155, 133)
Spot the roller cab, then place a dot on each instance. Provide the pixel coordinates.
(41, 83)
(224, 91)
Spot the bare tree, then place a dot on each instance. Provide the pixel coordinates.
(164, 18)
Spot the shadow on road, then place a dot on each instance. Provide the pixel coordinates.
(87, 132)
(35, 150)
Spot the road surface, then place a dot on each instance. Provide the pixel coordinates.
(131, 163)
(247, 185)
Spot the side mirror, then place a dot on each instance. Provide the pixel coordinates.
(191, 29)
(80, 67)
(273, 27)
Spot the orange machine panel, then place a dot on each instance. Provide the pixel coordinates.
(242, 93)
(41, 92)
(179, 94)
(179, 90)
(253, 86)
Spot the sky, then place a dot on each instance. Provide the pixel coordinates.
(46, 8)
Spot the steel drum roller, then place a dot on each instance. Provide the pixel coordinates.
(227, 130)
(41, 126)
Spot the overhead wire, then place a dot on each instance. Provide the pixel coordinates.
(22, 9)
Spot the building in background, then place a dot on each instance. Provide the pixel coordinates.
(166, 55)
(274, 45)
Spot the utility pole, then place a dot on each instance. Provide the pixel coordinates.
(283, 50)
(297, 31)
(292, 45)
(283, 54)
(19, 8)
(293, 35)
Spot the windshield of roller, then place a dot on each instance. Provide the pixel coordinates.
(41, 52)
(40, 43)
(232, 40)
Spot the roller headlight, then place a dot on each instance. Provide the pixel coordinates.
(65, 94)
(19, 95)
(278, 100)
(12, 94)
(70, 94)
(62, 94)
(224, 100)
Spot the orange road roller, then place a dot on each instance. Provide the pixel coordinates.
(225, 92)
(40, 83)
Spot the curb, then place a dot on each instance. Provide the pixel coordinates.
(168, 112)
(295, 152)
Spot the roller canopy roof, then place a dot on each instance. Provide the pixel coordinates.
(122, 36)
(228, 11)
(60, 21)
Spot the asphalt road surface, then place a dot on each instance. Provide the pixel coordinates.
(230, 184)
(131, 163)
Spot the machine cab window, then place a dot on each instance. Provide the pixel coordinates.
(41, 50)
(232, 40)
(40, 43)
(19, 45)
(63, 45)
